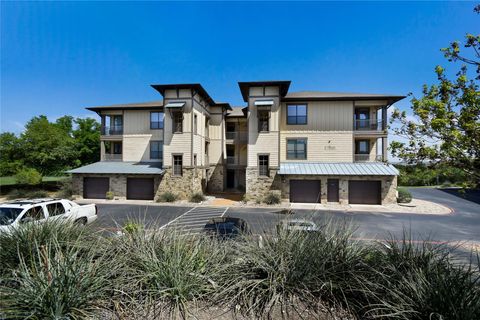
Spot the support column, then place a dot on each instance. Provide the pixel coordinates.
(384, 149)
(384, 118)
(102, 150)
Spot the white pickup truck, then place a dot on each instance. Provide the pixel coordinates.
(18, 212)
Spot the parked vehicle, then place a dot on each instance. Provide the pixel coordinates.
(226, 227)
(298, 225)
(18, 212)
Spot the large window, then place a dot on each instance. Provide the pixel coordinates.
(263, 165)
(177, 118)
(362, 147)
(263, 118)
(112, 125)
(177, 165)
(297, 149)
(156, 120)
(297, 114)
(156, 150)
(195, 124)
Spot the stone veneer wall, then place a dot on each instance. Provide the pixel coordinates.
(215, 178)
(118, 183)
(183, 186)
(258, 187)
(389, 186)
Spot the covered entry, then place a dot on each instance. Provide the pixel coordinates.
(140, 188)
(306, 191)
(364, 192)
(95, 187)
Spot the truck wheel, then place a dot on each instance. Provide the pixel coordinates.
(81, 221)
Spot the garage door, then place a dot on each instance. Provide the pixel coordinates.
(140, 188)
(307, 191)
(95, 188)
(364, 192)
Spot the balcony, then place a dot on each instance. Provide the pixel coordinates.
(112, 157)
(237, 136)
(368, 158)
(369, 125)
(231, 160)
(111, 130)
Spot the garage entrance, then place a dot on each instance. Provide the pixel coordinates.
(305, 191)
(364, 192)
(95, 187)
(140, 188)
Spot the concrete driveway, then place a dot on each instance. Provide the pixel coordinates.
(462, 225)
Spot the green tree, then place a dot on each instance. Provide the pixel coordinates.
(10, 154)
(446, 129)
(87, 140)
(47, 146)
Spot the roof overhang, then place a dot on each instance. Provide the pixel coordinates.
(194, 86)
(390, 99)
(175, 105)
(244, 86)
(114, 167)
(338, 169)
(129, 106)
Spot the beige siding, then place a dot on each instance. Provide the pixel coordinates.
(322, 116)
(178, 143)
(136, 147)
(321, 146)
(272, 91)
(138, 122)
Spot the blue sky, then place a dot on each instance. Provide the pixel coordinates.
(58, 58)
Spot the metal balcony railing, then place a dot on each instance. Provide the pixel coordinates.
(112, 157)
(237, 135)
(111, 130)
(369, 124)
(367, 157)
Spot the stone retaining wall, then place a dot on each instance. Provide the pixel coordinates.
(183, 186)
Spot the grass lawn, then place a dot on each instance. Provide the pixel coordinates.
(7, 181)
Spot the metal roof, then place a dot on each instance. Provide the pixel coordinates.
(121, 167)
(172, 104)
(268, 102)
(338, 168)
(237, 112)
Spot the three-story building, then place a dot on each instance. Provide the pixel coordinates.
(306, 146)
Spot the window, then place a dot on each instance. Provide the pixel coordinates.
(297, 149)
(177, 122)
(113, 147)
(112, 124)
(177, 165)
(263, 165)
(55, 209)
(362, 147)
(263, 117)
(33, 214)
(117, 148)
(156, 120)
(297, 114)
(156, 150)
(362, 118)
(195, 126)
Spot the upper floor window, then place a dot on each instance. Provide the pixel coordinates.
(297, 114)
(297, 149)
(156, 150)
(112, 125)
(156, 120)
(177, 165)
(263, 165)
(195, 124)
(177, 118)
(263, 119)
(362, 147)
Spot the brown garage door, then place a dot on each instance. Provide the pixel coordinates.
(364, 192)
(95, 187)
(307, 191)
(140, 188)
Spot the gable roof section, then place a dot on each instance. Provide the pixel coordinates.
(338, 168)
(119, 167)
(329, 96)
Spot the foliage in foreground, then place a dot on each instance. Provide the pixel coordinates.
(404, 196)
(61, 271)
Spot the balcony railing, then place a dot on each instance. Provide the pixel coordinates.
(237, 135)
(367, 157)
(369, 124)
(112, 157)
(231, 160)
(112, 130)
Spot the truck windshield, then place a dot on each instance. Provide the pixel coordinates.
(8, 215)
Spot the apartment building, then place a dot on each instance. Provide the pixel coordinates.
(307, 146)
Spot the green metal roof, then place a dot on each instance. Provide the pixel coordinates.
(338, 168)
(120, 167)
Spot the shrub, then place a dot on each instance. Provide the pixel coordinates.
(109, 195)
(66, 189)
(404, 196)
(28, 176)
(24, 193)
(197, 197)
(167, 197)
(272, 198)
(131, 227)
